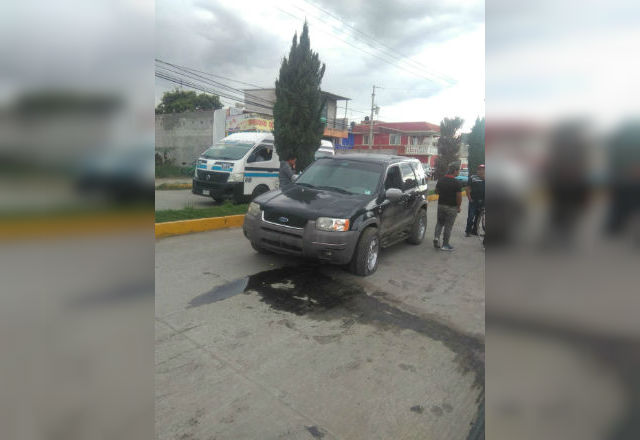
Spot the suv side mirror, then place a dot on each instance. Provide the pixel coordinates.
(393, 194)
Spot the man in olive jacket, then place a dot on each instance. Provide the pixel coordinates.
(286, 171)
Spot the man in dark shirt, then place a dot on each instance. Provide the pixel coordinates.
(449, 192)
(286, 172)
(475, 195)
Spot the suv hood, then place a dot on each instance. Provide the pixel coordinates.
(311, 203)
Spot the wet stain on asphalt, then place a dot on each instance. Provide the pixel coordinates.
(315, 432)
(219, 293)
(407, 367)
(305, 290)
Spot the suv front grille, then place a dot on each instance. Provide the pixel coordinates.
(284, 219)
(212, 176)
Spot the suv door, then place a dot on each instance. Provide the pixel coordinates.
(391, 212)
(412, 195)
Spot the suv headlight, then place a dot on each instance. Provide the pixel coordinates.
(254, 209)
(236, 177)
(332, 224)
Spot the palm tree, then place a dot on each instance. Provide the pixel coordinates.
(448, 144)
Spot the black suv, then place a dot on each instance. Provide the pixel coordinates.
(342, 210)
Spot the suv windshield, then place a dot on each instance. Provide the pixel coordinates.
(227, 150)
(343, 176)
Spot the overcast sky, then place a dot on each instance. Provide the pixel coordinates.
(427, 56)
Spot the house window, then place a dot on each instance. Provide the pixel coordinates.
(365, 139)
(394, 139)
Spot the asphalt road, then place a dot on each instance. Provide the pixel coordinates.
(271, 347)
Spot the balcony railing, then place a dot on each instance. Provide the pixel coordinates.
(421, 149)
(337, 124)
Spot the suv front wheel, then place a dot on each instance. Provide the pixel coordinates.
(365, 257)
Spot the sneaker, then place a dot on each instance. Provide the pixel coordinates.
(446, 247)
(436, 244)
(466, 234)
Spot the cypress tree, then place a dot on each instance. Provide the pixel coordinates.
(298, 108)
(476, 146)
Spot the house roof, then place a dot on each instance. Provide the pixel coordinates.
(403, 127)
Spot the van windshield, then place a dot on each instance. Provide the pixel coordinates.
(227, 150)
(320, 153)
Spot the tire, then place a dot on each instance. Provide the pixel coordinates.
(217, 199)
(238, 200)
(259, 249)
(260, 189)
(419, 228)
(363, 262)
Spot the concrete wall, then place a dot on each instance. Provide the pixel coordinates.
(183, 136)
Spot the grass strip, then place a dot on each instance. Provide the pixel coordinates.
(227, 208)
(168, 186)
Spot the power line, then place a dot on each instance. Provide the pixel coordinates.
(392, 52)
(254, 100)
(195, 85)
(392, 63)
(416, 71)
(185, 71)
(191, 69)
(352, 110)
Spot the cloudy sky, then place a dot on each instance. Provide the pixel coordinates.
(426, 56)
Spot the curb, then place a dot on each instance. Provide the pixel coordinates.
(46, 227)
(180, 227)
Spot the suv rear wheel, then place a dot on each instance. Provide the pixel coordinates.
(365, 257)
(419, 228)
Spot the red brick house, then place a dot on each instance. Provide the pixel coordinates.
(415, 139)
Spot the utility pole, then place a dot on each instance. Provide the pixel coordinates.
(373, 95)
(346, 105)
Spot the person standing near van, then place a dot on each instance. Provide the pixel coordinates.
(286, 171)
(475, 195)
(449, 192)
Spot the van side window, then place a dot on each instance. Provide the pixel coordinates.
(393, 180)
(408, 177)
(263, 153)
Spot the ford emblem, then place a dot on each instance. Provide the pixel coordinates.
(283, 220)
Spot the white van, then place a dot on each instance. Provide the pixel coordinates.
(239, 167)
(326, 149)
